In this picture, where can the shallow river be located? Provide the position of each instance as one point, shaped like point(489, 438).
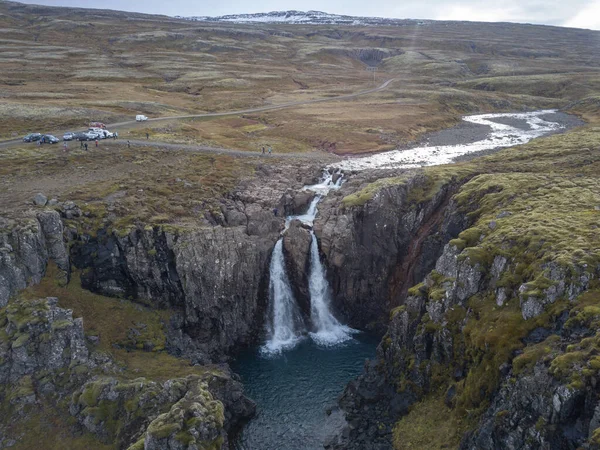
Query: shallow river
point(294, 390)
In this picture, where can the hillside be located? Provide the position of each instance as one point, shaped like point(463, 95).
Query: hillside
point(62, 68)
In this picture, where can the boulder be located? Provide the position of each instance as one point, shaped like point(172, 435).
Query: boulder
point(40, 199)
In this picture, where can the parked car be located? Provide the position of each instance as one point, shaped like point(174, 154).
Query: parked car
point(80, 136)
point(102, 134)
point(32, 137)
point(140, 118)
point(91, 136)
point(49, 139)
point(68, 136)
point(97, 125)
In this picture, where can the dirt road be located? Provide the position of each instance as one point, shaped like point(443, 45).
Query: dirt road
point(118, 125)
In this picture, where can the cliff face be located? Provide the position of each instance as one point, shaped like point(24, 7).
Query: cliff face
point(499, 340)
point(213, 276)
point(25, 250)
point(376, 245)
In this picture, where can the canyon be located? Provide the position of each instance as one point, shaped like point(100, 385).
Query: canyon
point(177, 288)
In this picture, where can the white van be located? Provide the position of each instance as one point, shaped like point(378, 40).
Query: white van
point(140, 118)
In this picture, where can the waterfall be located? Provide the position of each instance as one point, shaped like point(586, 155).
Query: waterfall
point(327, 329)
point(285, 326)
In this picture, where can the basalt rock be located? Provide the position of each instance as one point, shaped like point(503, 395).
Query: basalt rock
point(44, 358)
point(25, 250)
point(536, 411)
point(296, 247)
point(375, 250)
point(295, 203)
point(37, 335)
point(197, 411)
point(214, 277)
point(547, 399)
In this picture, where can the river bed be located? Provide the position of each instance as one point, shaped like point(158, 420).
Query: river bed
point(476, 135)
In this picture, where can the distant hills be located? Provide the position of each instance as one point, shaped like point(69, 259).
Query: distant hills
point(305, 17)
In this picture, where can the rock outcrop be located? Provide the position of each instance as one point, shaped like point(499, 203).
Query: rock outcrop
point(26, 248)
point(296, 248)
point(176, 414)
point(215, 277)
point(38, 336)
point(375, 248)
point(502, 333)
point(44, 359)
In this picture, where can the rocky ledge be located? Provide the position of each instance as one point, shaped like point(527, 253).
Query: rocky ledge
point(45, 364)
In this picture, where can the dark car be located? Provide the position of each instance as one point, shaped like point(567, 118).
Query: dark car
point(80, 136)
point(32, 137)
point(49, 139)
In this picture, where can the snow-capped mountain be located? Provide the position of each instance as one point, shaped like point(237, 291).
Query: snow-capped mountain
point(302, 17)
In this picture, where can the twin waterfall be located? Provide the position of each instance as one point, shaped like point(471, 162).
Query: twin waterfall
point(286, 326)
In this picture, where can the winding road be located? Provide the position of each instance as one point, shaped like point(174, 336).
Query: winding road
point(118, 125)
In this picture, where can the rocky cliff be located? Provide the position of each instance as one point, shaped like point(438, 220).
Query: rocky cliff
point(25, 249)
point(213, 276)
point(214, 273)
point(47, 368)
point(377, 243)
point(496, 346)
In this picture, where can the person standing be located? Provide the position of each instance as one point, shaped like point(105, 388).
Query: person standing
point(96, 142)
point(263, 150)
point(86, 146)
point(65, 146)
point(270, 150)
point(147, 136)
point(81, 144)
point(128, 144)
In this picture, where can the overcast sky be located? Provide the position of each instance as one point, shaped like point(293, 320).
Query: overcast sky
point(571, 13)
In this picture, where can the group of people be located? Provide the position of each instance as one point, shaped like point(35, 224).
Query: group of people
point(269, 150)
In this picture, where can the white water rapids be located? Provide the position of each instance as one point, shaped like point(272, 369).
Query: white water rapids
point(501, 136)
point(285, 326)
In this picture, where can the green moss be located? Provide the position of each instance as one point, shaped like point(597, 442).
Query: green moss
point(367, 193)
point(471, 236)
point(23, 388)
point(61, 325)
point(163, 430)
point(184, 437)
point(139, 445)
point(431, 425)
point(20, 340)
point(91, 393)
point(417, 290)
point(540, 424)
point(534, 354)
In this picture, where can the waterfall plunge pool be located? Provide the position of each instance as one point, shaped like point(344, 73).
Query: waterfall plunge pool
point(293, 391)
